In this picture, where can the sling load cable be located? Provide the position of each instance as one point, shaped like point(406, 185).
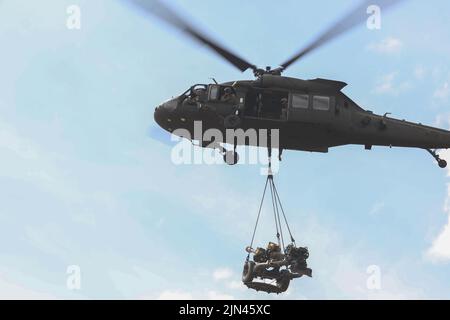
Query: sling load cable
point(278, 226)
point(275, 201)
point(278, 216)
point(257, 219)
point(284, 215)
point(278, 229)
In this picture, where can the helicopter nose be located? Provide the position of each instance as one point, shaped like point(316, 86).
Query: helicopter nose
point(160, 115)
point(169, 106)
point(164, 112)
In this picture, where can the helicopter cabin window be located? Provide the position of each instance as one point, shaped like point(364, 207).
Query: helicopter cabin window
point(321, 103)
point(214, 92)
point(300, 101)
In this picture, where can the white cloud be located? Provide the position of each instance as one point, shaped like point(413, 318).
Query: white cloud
point(213, 295)
point(178, 294)
point(350, 278)
point(388, 84)
point(389, 45)
point(222, 274)
point(443, 92)
point(420, 72)
point(9, 290)
point(440, 247)
point(347, 276)
point(392, 288)
point(12, 141)
point(236, 285)
point(175, 295)
point(376, 208)
point(442, 120)
point(45, 233)
point(209, 293)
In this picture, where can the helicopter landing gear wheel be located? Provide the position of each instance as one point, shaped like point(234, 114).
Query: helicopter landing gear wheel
point(441, 162)
point(232, 121)
point(231, 157)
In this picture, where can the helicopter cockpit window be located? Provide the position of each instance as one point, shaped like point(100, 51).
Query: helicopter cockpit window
point(199, 91)
point(300, 101)
point(321, 103)
point(214, 92)
point(196, 93)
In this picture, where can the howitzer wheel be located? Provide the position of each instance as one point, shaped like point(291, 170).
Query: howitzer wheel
point(248, 274)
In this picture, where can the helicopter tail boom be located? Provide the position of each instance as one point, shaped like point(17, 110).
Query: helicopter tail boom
point(384, 131)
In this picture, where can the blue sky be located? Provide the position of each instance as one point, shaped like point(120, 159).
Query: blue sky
point(82, 182)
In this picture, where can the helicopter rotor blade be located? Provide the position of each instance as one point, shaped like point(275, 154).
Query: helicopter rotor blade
point(346, 23)
point(163, 12)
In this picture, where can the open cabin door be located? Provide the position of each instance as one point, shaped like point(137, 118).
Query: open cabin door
point(267, 105)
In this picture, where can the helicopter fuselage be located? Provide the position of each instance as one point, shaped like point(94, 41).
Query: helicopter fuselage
point(311, 115)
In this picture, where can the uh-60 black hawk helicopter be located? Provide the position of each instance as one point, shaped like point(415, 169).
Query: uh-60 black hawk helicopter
point(311, 115)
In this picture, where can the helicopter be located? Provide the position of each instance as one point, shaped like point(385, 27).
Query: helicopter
point(311, 115)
